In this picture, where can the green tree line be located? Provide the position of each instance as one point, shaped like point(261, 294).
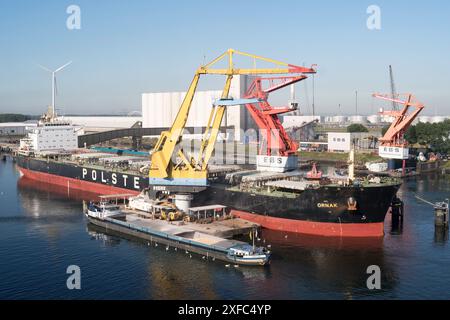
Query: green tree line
point(13, 117)
point(357, 128)
point(434, 135)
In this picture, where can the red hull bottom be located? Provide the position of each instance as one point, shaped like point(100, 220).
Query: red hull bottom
point(70, 183)
point(350, 230)
point(368, 230)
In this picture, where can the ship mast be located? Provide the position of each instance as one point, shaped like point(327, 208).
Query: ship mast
point(351, 164)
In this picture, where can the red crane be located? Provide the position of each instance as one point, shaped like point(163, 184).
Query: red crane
point(403, 118)
point(275, 140)
point(393, 144)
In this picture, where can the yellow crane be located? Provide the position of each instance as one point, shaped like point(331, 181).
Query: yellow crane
point(174, 171)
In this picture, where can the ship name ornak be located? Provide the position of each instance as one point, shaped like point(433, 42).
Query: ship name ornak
point(327, 205)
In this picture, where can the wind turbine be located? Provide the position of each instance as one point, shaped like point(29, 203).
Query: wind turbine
point(53, 73)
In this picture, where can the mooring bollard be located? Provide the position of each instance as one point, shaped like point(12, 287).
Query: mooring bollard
point(441, 213)
point(397, 210)
point(441, 217)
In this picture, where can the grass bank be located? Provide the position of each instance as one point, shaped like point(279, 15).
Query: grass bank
point(361, 158)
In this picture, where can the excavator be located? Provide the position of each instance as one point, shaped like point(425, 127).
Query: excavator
point(172, 170)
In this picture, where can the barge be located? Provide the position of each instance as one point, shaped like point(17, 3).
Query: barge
point(111, 217)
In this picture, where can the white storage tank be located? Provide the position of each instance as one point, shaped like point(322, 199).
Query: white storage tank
point(386, 119)
point(437, 119)
point(339, 119)
point(425, 119)
point(374, 119)
point(358, 119)
point(328, 119)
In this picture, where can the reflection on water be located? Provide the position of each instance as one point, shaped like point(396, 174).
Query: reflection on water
point(172, 271)
point(28, 187)
point(99, 234)
point(42, 228)
point(336, 262)
point(441, 235)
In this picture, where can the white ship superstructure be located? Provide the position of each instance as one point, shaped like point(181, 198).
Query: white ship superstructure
point(51, 134)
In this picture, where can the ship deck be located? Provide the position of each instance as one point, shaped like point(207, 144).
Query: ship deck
point(221, 228)
point(110, 165)
point(291, 189)
point(186, 231)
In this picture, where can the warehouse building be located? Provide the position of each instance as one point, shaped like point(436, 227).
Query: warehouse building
point(8, 129)
point(159, 109)
point(342, 141)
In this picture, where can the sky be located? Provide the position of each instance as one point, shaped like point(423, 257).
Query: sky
point(126, 48)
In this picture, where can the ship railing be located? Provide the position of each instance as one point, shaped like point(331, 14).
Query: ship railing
point(96, 166)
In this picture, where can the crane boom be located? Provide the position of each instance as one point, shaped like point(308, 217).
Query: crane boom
point(393, 91)
point(182, 172)
point(393, 139)
point(275, 138)
point(212, 129)
point(168, 139)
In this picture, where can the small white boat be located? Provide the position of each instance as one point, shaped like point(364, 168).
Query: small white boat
point(377, 166)
point(102, 210)
point(248, 255)
point(422, 157)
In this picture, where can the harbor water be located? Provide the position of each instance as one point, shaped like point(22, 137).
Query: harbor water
point(43, 231)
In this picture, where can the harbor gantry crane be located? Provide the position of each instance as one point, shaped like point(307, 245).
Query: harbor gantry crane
point(393, 144)
point(278, 152)
point(171, 169)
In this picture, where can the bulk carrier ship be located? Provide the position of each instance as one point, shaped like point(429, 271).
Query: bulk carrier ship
point(324, 207)
point(284, 200)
